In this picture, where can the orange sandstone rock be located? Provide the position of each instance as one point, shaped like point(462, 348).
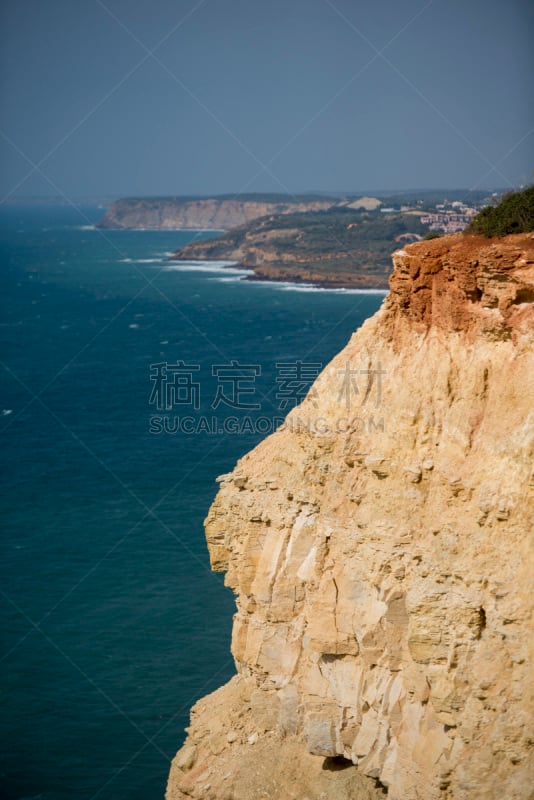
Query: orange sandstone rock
point(380, 549)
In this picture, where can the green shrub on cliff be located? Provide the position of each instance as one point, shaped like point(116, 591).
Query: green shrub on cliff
point(514, 214)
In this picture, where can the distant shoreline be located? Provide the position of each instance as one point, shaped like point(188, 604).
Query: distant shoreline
point(327, 242)
point(306, 278)
point(336, 282)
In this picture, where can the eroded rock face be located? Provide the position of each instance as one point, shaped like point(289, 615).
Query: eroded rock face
point(212, 212)
point(380, 548)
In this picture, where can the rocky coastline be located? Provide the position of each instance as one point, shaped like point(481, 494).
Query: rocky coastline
point(326, 241)
point(332, 250)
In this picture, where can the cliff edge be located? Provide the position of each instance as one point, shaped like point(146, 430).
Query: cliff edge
point(380, 549)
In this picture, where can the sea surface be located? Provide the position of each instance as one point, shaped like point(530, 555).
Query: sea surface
point(112, 623)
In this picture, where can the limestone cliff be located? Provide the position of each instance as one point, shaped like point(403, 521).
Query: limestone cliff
point(193, 213)
point(380, 548)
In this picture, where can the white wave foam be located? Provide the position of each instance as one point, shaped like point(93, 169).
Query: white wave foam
point(226, 267)
point(295, 287)
point(287, 286)
point(208, 263)
point(232, 279)
point(282, 285)
point(142, 260)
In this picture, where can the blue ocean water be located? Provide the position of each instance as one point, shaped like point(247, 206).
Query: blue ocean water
point(113, 624)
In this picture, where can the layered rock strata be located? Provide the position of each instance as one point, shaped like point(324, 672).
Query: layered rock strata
point(169, 213)
point(380, 550)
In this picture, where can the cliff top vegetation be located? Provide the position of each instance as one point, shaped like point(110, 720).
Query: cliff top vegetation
point(513, 214)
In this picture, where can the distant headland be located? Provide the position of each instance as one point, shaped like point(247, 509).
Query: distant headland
point(338, 241)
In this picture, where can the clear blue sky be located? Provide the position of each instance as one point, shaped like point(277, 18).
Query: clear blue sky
point(264, 95)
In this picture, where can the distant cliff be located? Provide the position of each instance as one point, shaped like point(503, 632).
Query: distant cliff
point(380, 549)
point(216, 213)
